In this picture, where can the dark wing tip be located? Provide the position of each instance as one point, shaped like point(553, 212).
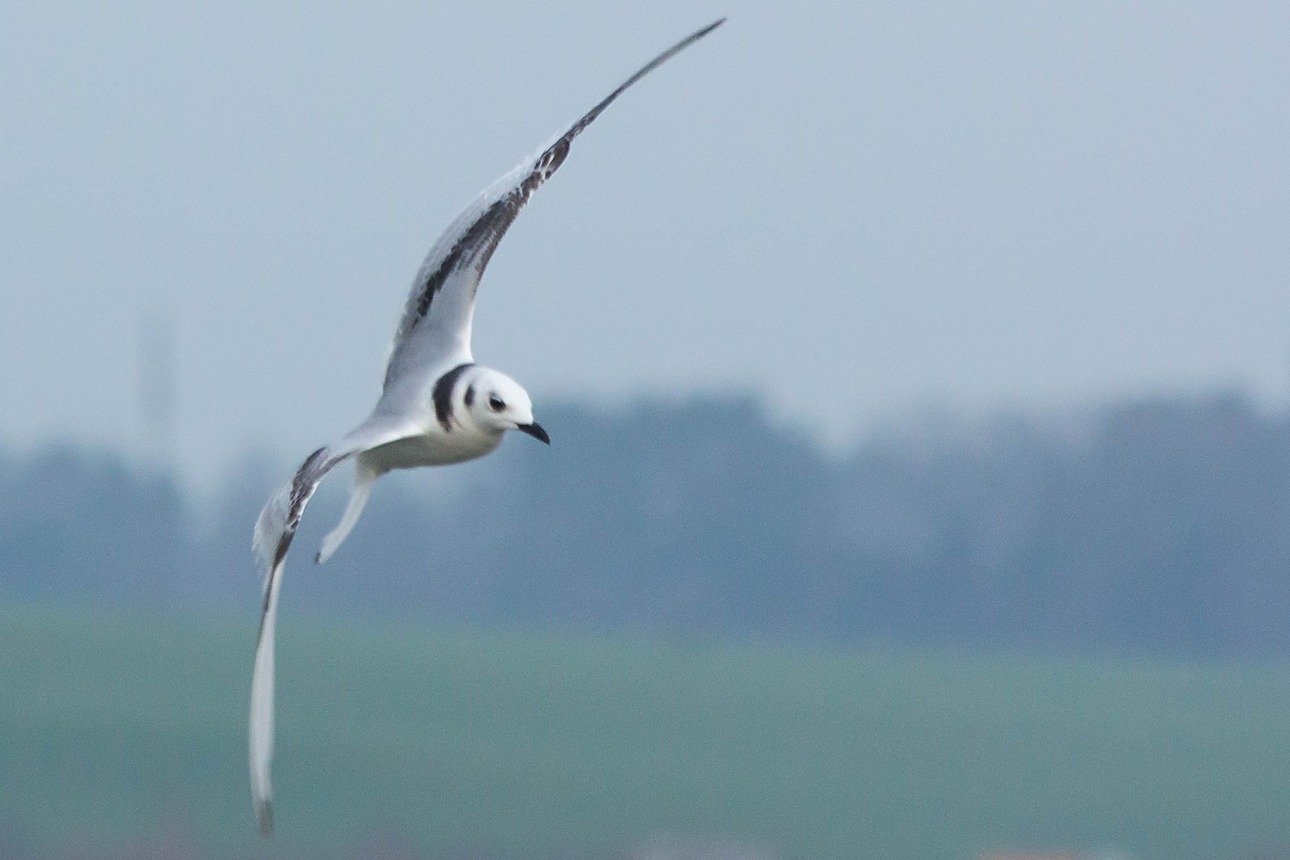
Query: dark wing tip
point(264, 816)
point(698, 34)
point(644, 70)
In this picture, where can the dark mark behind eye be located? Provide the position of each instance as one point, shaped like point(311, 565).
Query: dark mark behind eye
point(442, 394)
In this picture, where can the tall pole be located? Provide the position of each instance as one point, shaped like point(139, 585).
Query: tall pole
point(159, 392)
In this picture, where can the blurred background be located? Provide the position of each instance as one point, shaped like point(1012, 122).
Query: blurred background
point(919, 386)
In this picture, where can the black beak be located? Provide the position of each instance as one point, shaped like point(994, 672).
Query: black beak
point(535, 430)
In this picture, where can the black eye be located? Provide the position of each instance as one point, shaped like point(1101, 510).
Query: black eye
point(495, 403)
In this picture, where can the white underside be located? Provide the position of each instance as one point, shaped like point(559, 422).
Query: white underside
point(436, 448)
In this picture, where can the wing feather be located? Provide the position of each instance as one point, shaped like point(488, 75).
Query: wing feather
point(434, 331)
point(274, 531)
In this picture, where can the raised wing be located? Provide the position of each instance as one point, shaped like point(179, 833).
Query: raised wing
point(435, 329)
point(274, 531)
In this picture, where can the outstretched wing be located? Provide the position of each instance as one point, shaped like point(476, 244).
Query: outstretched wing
point(435, 329)
point(274, 531)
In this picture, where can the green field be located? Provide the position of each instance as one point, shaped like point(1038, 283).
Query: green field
point(121, 732)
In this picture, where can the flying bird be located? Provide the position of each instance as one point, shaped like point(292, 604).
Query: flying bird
point(436, 405)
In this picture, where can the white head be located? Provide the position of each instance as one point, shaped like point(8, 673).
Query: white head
point(497, 402)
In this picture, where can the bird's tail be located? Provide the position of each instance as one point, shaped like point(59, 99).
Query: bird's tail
point(364, 477)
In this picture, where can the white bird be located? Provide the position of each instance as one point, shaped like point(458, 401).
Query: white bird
point(436, 407)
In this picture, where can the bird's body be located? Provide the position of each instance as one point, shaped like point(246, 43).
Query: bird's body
point(449, 435)
point(434, 447)
point(436, 407)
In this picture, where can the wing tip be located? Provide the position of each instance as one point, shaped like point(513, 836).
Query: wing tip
point(691, 39)
point(703, 31)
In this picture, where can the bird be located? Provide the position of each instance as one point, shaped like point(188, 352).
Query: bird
point(436, 407)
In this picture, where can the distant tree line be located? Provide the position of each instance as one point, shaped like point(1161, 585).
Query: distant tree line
point(1157, 526)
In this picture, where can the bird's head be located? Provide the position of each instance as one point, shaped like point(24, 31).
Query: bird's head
point(498, 402)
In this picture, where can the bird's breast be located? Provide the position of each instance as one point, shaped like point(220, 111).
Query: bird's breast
point(435, 448)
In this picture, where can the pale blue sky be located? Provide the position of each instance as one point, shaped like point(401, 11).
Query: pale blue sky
point(855, 208)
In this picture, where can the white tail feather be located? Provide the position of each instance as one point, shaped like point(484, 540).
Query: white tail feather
point(364, 478)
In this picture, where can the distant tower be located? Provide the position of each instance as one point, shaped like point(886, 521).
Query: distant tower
point(159, 392)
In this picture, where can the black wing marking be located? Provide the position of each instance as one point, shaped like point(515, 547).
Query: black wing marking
point(480, 239)
point(306, 480)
